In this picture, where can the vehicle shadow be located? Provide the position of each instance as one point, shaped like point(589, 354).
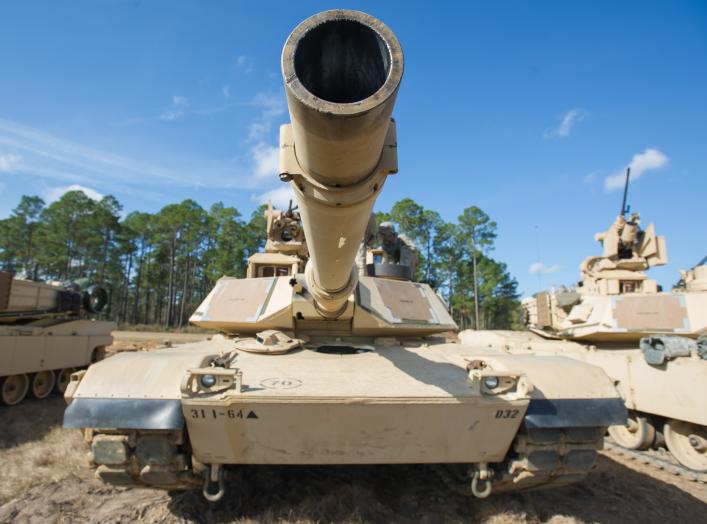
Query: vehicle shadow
point(30, 420)
point(413, 493)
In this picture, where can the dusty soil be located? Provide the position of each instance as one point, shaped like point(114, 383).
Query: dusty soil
point(44, 478)
point(141, 340)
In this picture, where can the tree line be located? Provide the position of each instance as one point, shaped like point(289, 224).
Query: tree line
point(157, 267)
point(455, 260)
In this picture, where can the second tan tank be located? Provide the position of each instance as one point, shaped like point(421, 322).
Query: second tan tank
point(45, 335)
point(647, 340)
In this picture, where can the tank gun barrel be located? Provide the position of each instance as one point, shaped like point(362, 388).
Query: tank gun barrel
point(25, 300)
point(341, 70)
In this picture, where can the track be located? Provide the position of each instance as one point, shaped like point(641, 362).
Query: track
point(652, 458)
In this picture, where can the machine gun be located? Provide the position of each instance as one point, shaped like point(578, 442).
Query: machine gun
point(285, 248)
point(624, 208)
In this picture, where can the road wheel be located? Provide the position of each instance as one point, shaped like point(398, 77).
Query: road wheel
point(42, 384)
point(688, 443)
point(63, 377)
point(638, 433)
point(13, 389)
point(98, 354)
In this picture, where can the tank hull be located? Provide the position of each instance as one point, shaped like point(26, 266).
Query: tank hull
point(416, 402)
point(677, 389)
point(39, 357)
point(657, 396)
point(71, 344)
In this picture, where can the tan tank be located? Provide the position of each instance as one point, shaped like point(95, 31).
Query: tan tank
point(327, 366)
point(45, 336)
point(645, 339)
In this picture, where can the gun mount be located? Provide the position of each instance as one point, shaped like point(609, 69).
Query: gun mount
point(285, 248)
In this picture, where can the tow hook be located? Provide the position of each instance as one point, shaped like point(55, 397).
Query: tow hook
point(213, 475)
point(481, 481)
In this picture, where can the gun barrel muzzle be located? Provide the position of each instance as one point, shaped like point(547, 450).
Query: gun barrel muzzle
point(342, 70)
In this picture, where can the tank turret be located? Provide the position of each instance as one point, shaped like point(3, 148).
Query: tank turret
point(694, 279)
point(341, 70)
point(23, 301)
point(615, 300)
point(642, 337)
point(46, 335)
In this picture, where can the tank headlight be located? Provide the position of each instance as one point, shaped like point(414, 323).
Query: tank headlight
point(208, 381)
point(491, 382)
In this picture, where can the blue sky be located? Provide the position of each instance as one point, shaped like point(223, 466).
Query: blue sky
point(526, 109)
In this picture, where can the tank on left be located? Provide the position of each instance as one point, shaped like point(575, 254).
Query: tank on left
point(46, 334)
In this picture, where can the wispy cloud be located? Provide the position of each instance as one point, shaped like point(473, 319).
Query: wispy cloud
point(591, 177)
point(566, 123)
point(64, 163)
point(34, 152)
point(271, 107)
point(266, 161)
point(180, 104)
point(245, 63)
point(53, 194)
point(539, 268)
point(280, 196)
point(9, 162)
point(52, 157)
point(264, 156)
point(641, 163)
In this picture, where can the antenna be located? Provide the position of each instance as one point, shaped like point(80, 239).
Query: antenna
point(624, 209)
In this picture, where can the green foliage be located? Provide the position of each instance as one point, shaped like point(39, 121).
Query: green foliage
point(159, 267)
point(19, 234)
point(454, 260)
point(419, 225)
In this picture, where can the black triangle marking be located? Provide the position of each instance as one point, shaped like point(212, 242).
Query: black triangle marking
point(252, 415)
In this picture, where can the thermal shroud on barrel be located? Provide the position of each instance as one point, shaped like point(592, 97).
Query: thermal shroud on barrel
point(342, 70)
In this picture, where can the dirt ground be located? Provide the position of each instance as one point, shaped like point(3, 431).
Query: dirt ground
point(44, 478)
point(139, 340)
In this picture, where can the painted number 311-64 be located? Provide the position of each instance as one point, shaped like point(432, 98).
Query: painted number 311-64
point(222, 413)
